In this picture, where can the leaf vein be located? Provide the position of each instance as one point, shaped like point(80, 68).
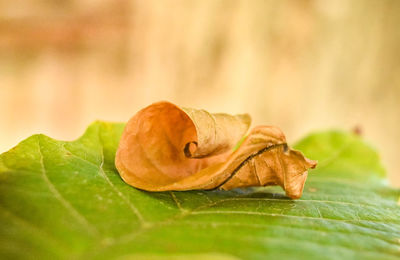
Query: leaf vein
point(119, 193)
point(81, 219)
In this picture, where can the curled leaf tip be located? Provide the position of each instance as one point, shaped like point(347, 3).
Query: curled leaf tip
point(165, 147)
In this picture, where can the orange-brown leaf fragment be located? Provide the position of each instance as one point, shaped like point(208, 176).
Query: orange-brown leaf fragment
point(165, 147)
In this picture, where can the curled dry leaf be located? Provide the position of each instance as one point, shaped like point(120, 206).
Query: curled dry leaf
point(165, 147)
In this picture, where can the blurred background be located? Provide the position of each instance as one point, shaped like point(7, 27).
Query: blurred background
point(301, 65)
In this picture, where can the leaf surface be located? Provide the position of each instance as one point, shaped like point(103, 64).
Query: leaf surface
point(66, 200)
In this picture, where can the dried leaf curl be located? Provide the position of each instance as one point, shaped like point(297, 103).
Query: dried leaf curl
point(165, 147)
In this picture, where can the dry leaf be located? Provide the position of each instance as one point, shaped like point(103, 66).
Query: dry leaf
point(164, 147)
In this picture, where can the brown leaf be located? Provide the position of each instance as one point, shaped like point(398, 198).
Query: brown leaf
point(164, 147)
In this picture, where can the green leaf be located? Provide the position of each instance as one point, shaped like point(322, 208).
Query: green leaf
point(66, 200)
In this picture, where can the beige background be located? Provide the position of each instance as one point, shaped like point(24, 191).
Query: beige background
point(301, 65)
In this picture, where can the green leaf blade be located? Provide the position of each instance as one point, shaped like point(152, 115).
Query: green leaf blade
point(66, 200)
